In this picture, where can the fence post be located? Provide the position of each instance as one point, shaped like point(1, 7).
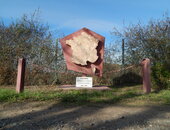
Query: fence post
point(20, 75)
point(146, 75)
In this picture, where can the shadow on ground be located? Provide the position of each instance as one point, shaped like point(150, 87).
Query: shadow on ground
point(140, 120)
point(94, 116)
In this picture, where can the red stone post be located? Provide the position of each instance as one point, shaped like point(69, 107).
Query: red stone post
point(20, 75)
point(146, 75)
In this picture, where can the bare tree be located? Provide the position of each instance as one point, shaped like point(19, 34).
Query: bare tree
point(151, 40)
point(27, 37)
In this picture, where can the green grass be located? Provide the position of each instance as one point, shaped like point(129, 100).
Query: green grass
point(161, 97)
point(126, 95)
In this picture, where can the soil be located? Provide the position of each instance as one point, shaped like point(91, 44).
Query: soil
point(56, 116)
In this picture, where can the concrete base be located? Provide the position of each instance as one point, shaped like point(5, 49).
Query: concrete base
point(73, 87)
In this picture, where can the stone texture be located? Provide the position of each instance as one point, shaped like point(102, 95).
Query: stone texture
point(81, 53)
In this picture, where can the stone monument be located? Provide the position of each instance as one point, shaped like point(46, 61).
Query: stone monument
point(84, 52)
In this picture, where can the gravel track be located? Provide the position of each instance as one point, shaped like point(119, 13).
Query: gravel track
point(56, 116)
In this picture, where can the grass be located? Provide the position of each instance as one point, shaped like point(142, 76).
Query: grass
point(125, 95)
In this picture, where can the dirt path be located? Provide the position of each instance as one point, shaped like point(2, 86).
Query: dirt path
point(55, 116)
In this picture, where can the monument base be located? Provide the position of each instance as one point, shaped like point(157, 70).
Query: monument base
point(73, 87)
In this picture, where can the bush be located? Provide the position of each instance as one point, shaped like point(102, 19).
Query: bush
point(7, 75)
point(160, 76)
point(127, 78)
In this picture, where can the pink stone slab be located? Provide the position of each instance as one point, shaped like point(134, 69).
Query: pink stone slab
point(146, 75)
point(87, 69)
point(20, 75)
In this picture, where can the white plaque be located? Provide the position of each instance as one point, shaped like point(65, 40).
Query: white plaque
point(85, 82)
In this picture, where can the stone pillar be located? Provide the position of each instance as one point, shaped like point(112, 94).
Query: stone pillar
point(146, 75)
point(20, 75)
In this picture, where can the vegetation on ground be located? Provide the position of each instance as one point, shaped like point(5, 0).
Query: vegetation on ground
point(160, 76)
point(126, 95)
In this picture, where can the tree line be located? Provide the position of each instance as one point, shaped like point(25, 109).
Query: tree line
point(152, 41)
point(28, 37)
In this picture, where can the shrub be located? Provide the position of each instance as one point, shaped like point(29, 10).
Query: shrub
point(160, 76)
point(7, 75)
point(127, 78)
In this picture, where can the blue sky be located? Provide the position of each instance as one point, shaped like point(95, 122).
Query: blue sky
point(101, 16)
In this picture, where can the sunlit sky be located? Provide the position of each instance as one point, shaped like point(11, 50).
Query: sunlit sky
point(101, 16)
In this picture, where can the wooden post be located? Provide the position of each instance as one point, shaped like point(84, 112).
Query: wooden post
point(123, 56)
point(20, 75)
point(123, 52)
point(146, 75)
